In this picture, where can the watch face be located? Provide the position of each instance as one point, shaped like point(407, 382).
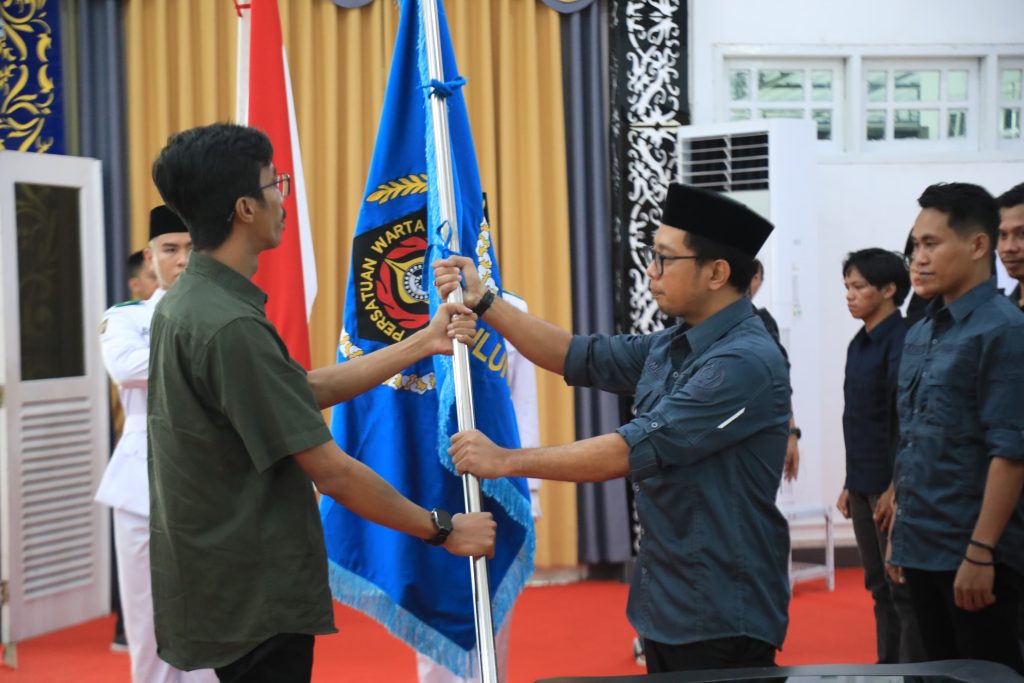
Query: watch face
point(442, 521)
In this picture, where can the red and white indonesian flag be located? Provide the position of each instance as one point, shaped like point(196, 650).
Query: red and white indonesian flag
point(288, 273)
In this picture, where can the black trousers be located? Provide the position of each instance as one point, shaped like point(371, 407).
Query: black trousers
point(722, 653)
point(896, 632)
point(285, 658)
point(949, 632)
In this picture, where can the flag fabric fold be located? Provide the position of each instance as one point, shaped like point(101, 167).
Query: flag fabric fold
point(401, 429)
point(288, 273)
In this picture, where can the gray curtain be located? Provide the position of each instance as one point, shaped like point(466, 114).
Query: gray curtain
point(603, 514)
point(101, 115)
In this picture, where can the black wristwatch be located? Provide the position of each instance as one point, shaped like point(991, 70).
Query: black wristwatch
point(443, 523)
point(795, 431)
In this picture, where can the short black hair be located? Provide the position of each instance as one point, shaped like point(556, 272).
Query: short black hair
point(969, 209)
point(758, 268)
point(1012, 197)
point(880, 267)
point(202, 171)
point(742, 266)
point(135, 262)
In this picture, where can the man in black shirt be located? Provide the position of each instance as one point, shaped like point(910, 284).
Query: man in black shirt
point(876, 284)
point(1011, 238)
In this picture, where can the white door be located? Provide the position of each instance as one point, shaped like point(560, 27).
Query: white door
point(54, 434)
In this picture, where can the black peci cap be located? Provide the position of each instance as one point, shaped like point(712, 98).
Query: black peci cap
point(712, 215)
point(162, 221)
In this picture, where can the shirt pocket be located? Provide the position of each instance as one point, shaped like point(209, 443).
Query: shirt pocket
point(951, 390)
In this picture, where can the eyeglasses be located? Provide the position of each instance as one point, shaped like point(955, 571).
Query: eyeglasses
point(651, 256)
point(283, 181)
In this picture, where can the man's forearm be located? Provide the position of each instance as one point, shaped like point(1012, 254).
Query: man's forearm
point(597, 459)
point(543, 343)
point(335, 384)
point(367, 494)
point(1002, 491)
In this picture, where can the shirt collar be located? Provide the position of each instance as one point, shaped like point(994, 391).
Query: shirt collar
point(962, 307)
point(228, 278)
point(157, 294)
point(884, 328)
point(700, 337)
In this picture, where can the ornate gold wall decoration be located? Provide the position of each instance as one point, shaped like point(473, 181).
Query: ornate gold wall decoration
point(29, 119)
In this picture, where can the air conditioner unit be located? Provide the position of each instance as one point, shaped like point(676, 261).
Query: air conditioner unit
point(769, 165)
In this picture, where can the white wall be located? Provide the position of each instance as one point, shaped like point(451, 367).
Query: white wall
point(865, 199)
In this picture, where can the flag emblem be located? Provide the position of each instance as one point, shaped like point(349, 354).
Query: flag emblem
point(392, 299)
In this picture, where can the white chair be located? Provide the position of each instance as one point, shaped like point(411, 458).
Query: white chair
point(806, 571)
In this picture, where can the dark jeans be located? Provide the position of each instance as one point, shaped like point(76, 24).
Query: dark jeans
point(723, 653)
point(949, 632)
point(896, 631)
point(285, 658)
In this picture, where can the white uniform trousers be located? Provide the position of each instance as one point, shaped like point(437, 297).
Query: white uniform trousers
point(131, 541)
point(430, 671)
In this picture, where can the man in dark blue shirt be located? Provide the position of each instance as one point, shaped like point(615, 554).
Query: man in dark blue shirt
point(1011, 238)
point(876, 283)
point(705, 451)
point(958, 538)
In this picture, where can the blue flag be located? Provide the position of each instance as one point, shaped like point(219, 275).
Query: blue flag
point(401, 429)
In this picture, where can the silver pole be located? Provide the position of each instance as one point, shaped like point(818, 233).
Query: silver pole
point(460, 360)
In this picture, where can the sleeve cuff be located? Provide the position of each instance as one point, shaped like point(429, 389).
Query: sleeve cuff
point(295, 443)
point(575, 365)
point(1005, 443)
point(643, 458)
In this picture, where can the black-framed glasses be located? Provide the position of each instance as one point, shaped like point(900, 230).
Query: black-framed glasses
point(283, 182)
point(651, 256)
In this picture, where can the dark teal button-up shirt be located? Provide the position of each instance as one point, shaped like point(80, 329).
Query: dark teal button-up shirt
point(707, 449)
point(960, 402)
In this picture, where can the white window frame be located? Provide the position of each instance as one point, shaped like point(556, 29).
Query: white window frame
point(1001, 142)
point(943, 65)
point(811, 63)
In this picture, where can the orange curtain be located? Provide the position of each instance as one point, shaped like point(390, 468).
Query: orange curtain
point(181, 73)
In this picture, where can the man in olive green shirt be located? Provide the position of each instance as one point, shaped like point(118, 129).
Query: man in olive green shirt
point(236, 434)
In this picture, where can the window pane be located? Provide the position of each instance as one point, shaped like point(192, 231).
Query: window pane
point(876, 124)
point(916, 124)
point(821, 86)
point(739, 114)
point(1009, 124)
point(49, 281)
point(781, 113)
point(739, 84)
point(957, 123)
point(780, 86)
point(957, 86)
point(916, 86)
point(823, 117)
point(1010, 84)
point(876, 86)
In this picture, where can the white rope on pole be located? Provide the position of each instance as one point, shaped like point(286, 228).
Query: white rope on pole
point(460, 360)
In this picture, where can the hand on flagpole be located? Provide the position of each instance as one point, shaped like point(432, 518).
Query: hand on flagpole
point(473, 453)
point(449, 274)
point(473, 534)
point(452, 321)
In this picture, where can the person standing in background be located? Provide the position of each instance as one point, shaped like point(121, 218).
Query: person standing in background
point(876, 283)
point(124, 341)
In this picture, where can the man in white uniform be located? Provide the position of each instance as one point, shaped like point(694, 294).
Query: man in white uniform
point(124, 339)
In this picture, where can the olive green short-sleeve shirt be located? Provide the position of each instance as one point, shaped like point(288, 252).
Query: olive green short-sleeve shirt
point(236, 547)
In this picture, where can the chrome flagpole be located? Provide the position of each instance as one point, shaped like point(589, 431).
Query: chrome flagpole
point(460, 359)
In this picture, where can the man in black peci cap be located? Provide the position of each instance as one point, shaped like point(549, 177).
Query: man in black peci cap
point(705, 451)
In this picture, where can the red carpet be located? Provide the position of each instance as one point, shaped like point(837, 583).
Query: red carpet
point(579, 629)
